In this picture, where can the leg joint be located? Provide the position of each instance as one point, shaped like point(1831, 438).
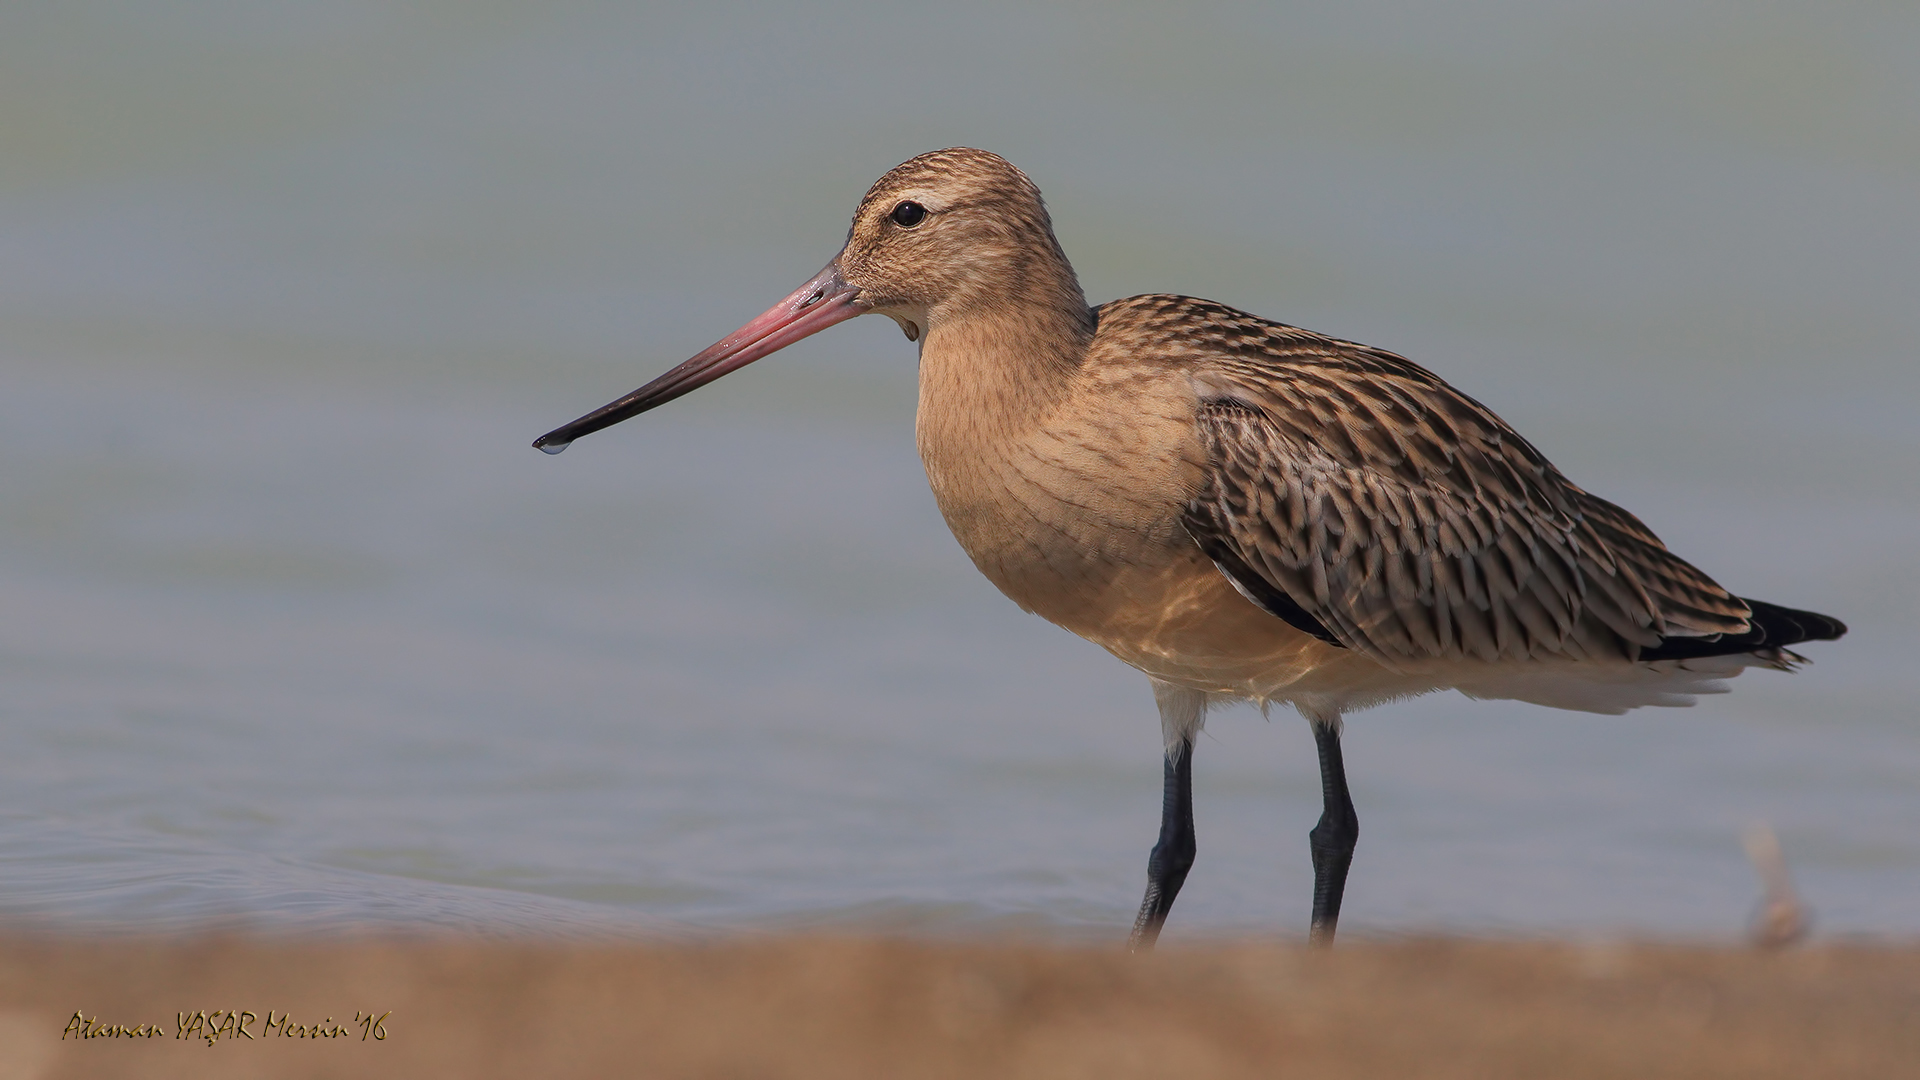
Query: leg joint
point(1336, 832)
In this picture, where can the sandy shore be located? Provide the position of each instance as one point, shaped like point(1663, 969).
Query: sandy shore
point(849, 1008)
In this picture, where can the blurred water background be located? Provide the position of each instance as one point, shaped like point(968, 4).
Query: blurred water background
point(296, 631)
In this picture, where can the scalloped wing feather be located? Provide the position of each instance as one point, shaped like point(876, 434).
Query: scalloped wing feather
point(1402, 516)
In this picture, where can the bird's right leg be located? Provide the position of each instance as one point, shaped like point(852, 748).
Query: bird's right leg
point(1182, 711)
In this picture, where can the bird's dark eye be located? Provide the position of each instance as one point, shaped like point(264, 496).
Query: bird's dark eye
point(909, 214)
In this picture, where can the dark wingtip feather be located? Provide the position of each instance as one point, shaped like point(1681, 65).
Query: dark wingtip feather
point(1770, 627)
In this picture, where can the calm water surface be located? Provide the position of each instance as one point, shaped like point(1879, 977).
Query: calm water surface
point(300, 633)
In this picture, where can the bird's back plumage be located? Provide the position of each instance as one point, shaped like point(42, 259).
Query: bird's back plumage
point(1357, 496)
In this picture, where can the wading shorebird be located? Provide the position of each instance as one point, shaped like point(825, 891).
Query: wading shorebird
point(1242, 509)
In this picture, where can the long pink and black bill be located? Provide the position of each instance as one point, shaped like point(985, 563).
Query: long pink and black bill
point(821, 302)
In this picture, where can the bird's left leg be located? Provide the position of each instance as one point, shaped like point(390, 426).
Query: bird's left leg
point(1182, 711)
point(1333, 839)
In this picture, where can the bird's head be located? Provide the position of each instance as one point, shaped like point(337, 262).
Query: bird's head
point(945, 235)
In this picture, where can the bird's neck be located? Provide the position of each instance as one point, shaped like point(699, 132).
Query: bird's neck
point(1008, 362)
point(992, 381)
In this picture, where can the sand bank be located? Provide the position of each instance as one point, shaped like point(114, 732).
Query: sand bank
point(851, 1008)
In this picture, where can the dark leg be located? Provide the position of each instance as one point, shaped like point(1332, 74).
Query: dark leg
point(1173, 856)
point(1332, 840)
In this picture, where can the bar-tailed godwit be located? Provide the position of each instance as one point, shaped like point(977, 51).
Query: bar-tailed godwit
point(1242, 509)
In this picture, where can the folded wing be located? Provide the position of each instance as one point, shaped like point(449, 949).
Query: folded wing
point(1362, 499)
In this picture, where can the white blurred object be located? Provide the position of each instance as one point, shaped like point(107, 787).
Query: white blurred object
point(1781, 919)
